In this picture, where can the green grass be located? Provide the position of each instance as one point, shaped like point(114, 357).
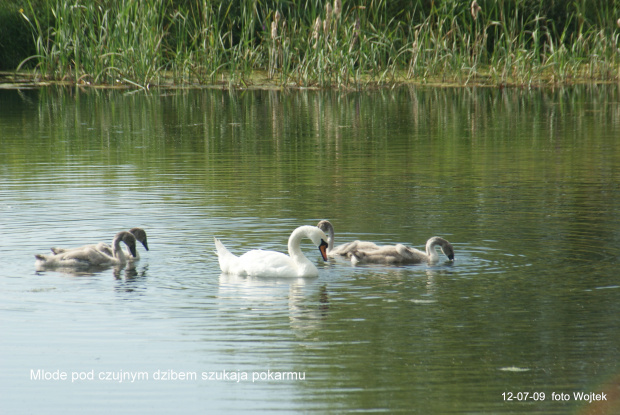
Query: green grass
point(323, 44)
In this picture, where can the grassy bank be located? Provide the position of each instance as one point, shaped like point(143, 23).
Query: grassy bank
point(322, 44)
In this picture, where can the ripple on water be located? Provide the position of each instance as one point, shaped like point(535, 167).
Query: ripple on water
point(533, 289)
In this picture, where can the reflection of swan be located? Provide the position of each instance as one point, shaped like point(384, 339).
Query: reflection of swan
point(344, 249)
point(304, 300)
point(88, 256)
point(401, 254)
point(106, 249)
point(261, 263)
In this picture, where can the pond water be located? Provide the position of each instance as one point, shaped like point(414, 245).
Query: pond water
point(524, 183)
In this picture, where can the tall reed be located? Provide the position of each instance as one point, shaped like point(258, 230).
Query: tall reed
point(326, 43)
point(90, 43)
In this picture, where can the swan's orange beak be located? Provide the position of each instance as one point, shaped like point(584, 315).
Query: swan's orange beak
point(323, 249)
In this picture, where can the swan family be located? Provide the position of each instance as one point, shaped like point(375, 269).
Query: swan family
point(257, 262)
point(277, 264)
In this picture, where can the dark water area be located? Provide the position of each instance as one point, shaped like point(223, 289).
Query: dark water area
point(523, 183)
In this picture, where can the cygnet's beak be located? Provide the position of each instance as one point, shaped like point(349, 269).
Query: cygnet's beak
point(323, 249)
point(132, 250)
point(449, 254)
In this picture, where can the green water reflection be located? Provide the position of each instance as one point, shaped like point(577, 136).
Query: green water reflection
point(525, 183)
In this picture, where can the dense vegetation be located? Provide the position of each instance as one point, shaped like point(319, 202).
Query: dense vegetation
point(313, 42)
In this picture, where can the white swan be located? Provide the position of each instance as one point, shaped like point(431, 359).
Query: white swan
point(88, 256)
point(401, 254)
point(344, 249)
point(106, 249)
point(259, 263)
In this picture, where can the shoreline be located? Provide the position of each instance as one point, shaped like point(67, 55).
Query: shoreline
point(258, 80)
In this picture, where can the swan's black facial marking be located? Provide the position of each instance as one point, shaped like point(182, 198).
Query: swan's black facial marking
point(449, 252)
point(323, 249)
point(129, 240)
point(140, 235)
point(132, 249)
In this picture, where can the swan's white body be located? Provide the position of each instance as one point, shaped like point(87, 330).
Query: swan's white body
point(87, 256)
point(369, 252)
point(106, 249)
point(259, 263)
point(400, 254)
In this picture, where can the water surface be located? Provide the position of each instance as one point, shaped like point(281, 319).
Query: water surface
point(523, 183)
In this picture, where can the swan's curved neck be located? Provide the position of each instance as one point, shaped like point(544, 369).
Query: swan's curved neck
point(330, 238)
point(431, 250)
point(117, 251)
point(294, 248)
point(294, 243)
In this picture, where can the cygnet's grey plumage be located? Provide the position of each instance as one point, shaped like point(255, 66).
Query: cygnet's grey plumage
point(87, 256)
point(369, 252)
point(400, 254)
point(106, 249)
point(344, 249)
